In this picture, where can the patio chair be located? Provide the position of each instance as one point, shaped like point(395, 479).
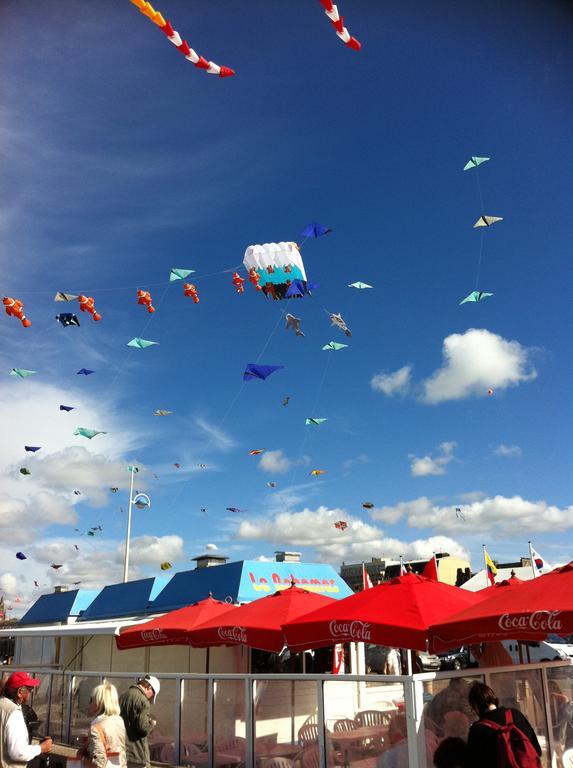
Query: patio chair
point(310, 758)
point(345, 724)
point(279, 762)
point(370, 717)
point(232, 745)
point(308, 734)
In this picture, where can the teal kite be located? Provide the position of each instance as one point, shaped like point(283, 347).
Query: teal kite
point(334, 345)
point(179, 274)
point(473, 162)
point(475, 296)
point(315, 422)
point(21, 372)
point(359, 285)
point(89, 433)
point(141, 343)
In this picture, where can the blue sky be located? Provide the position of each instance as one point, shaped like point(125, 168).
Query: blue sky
point(121, 160)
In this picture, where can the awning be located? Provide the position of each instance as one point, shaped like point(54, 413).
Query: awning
point(77, 629)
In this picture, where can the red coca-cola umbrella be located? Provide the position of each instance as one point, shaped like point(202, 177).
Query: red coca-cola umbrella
point(528, 611)
point(259, 624)
point(396, 613)
point(172, 628)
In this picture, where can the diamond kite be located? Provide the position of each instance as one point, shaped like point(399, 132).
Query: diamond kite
point(21, 556)
point(209, 66)
point(316, 422)
point(342, 525)
point(87, 305)
point(487, 221)
point(359, 285)
point(314, 229)
point(276, 265)
point(15, 308)
point(84, 372)
point(179, 274)
point(61, 296)
point(141, 343)
point(317, 472)
point(67, 408)
point(475, 296)
point(257, 451)
point(473, 162)
point(254, 371)
point(339, 323)
point(293, 323)
point(334, 345)
point(89, 433)
point(68, 318)
point(32, 448)
point(337, 22)
point(21, 372)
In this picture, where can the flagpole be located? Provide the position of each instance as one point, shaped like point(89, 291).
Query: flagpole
point(485, 567)
point(531, 558)
point(401, 564)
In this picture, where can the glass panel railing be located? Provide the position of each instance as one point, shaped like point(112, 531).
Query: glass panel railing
point(229, 727)
point(163, 737)
point(446, 713)
point(194, 738)
point(364, 722)
point(285, 720)
point(41, 706)
point(560, 686)
point(522, 689)
point(82, 688)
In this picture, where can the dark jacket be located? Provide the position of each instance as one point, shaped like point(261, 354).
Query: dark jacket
point(136, 714)
point(482, 741)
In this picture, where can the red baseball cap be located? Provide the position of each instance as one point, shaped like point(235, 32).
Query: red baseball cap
point(19, 679)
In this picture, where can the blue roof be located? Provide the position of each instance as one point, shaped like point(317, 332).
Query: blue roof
point(247, 580)
point(59, 606)
point(125, 599)
point(242, 582)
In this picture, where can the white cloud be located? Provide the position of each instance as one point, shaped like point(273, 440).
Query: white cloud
point(396, 383)
point(362, 459)
point(274, 462)
point(391, 514)
point(498, 515)
point(217, 439)
point(153, 550)
point(508, 451)
point(315, 529)
point(474, 361)
point(426, 465)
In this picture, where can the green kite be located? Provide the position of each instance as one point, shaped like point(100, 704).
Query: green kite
point(359, 285)
point(314, 421)
point(334, 345)
point(89, 433)
point(141, 343)
point(476, 296)
point(21, 372)
point(179, 274)
point(473, 162)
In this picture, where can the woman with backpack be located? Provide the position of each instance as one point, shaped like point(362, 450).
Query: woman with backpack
point(502, 737)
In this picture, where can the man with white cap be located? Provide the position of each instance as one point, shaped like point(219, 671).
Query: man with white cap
point(15, 749)
point(136, 713)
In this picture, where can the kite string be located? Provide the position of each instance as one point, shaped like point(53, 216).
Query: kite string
point(231, 405)
point(482, 212)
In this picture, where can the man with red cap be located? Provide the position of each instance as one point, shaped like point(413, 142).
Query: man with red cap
point(15, 751)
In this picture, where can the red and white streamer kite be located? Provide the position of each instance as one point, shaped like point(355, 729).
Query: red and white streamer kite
point(337, 22)
point(209, 66)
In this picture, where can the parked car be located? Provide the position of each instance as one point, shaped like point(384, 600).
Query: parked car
point(430, 662)
point(457, 658)
point(533, 651)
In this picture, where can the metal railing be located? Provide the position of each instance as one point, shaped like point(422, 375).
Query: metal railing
point(204, 719)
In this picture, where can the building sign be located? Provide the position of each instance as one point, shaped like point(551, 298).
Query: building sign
point(261, 579)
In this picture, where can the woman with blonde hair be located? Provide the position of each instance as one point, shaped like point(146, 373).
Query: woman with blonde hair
point(105, 745)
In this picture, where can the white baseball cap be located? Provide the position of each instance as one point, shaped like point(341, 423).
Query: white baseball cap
point(154, 683)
